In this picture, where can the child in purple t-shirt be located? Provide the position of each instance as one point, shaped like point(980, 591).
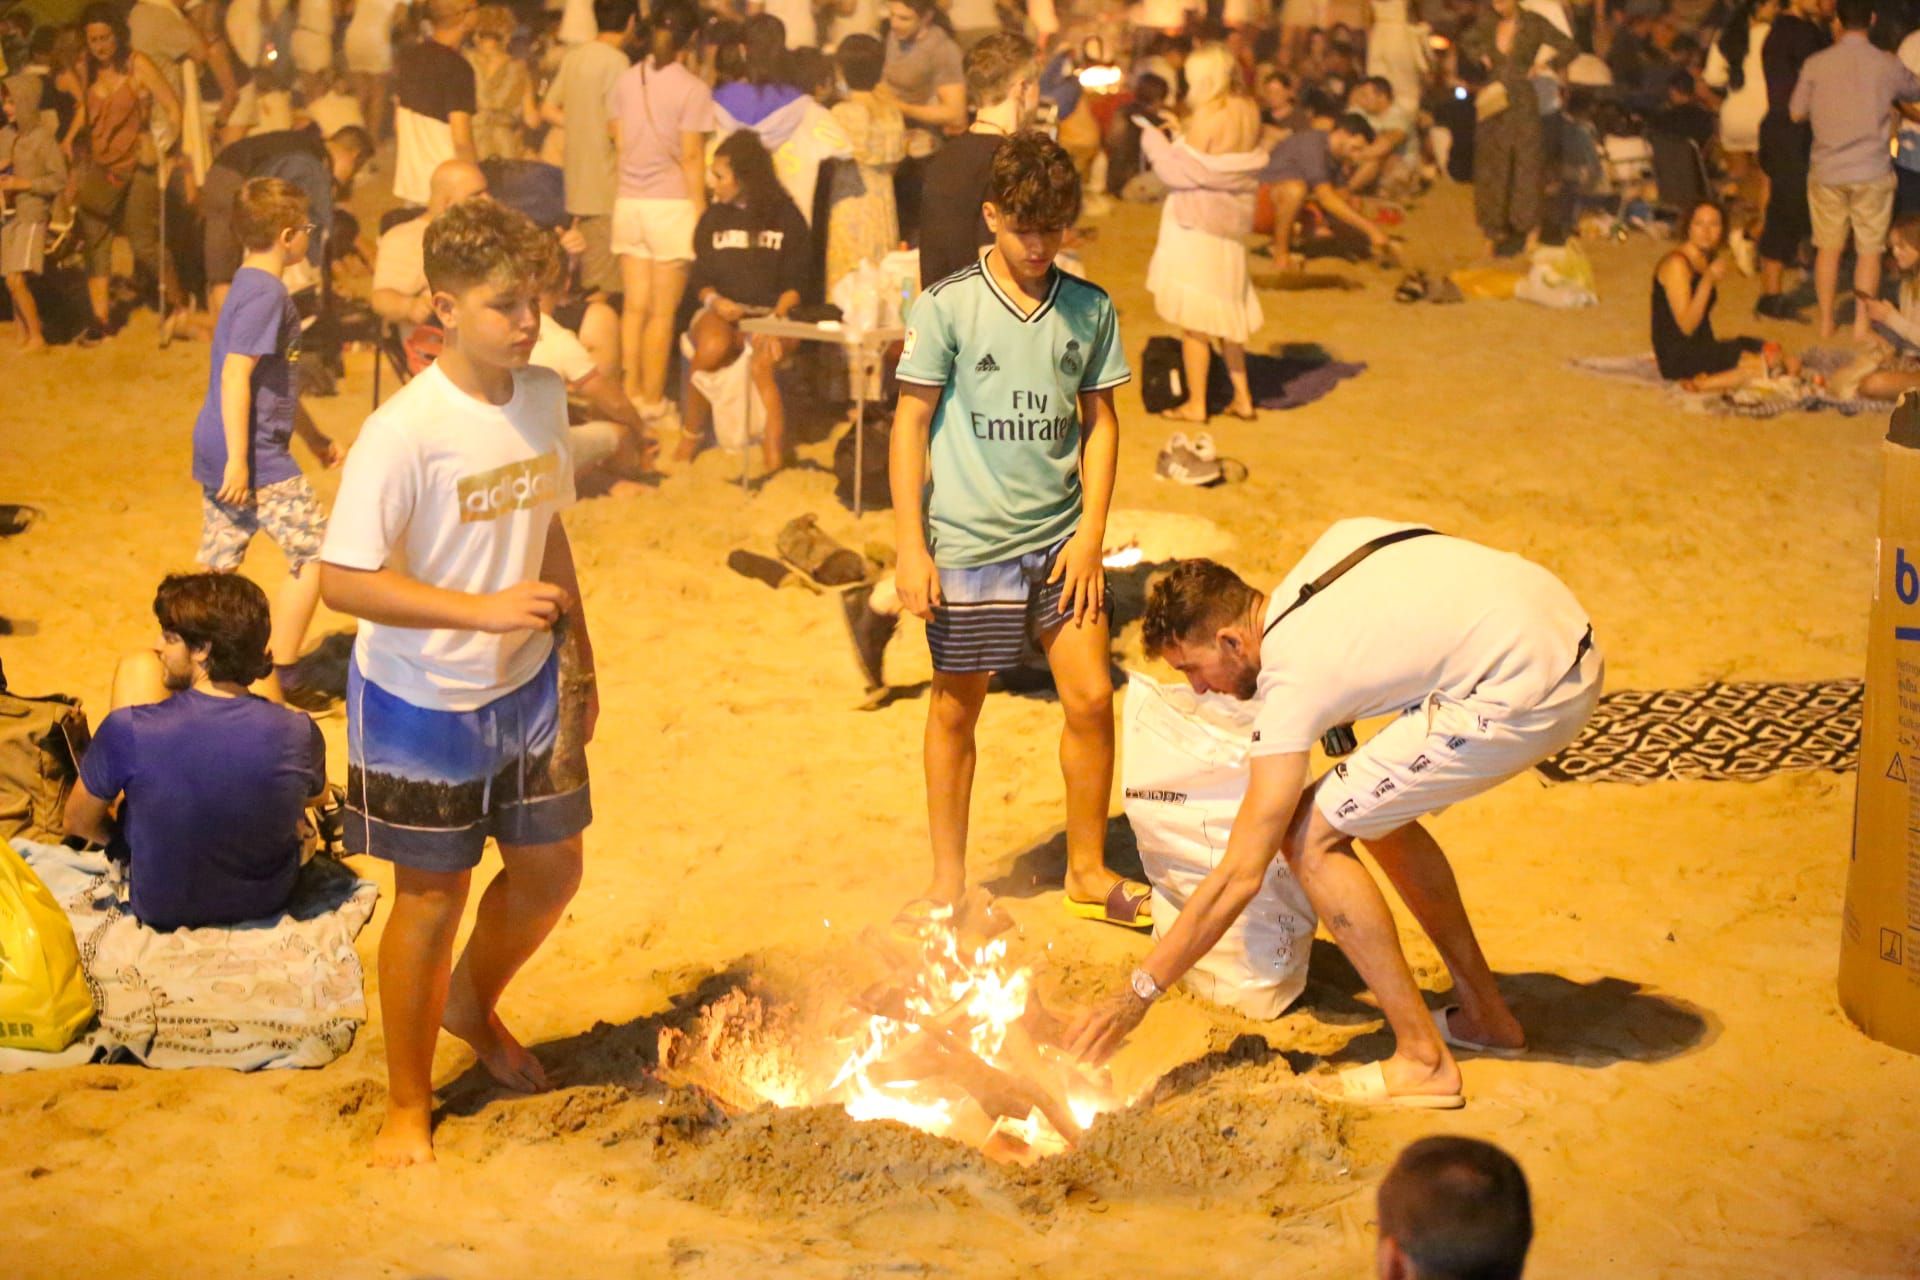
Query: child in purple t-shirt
point(247, 476)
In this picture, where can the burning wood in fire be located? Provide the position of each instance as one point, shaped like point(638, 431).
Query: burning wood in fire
point(950, 1039)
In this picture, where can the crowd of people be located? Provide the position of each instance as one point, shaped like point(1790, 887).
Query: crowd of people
point(589, 198)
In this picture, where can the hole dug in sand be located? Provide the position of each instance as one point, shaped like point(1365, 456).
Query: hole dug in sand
point(941, 1077)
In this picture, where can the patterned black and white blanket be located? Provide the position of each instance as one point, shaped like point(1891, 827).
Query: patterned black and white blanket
point(1714, 732)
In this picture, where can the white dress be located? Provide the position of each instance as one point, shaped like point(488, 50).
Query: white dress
point(1397, 51)
point(1742, 111)
point(369, 40)
point(313, 36)
point(1200, 281)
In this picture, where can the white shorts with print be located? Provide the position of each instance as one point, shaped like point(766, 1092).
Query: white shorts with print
point(661, 230)
point(1444, 751)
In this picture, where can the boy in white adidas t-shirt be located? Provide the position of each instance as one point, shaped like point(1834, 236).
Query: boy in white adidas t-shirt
point(471, 698)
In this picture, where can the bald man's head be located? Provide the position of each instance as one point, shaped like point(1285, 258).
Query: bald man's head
point(452, 182)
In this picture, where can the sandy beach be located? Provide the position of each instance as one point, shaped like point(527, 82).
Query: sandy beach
point(1697, 1104)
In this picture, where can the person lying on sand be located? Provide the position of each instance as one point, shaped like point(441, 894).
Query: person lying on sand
point(1490, 661)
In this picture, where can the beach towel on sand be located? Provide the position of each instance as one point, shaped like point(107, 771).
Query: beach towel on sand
point(279, 992)
point(1766, 399)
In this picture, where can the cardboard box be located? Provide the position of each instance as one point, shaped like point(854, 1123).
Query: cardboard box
point(1880, 925)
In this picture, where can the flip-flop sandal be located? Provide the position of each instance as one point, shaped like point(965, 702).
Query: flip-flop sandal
point(1444, 1027)
point(1366, 1086)
point(1122, 906)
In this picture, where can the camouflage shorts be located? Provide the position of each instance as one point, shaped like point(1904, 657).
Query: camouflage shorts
point(285, 511)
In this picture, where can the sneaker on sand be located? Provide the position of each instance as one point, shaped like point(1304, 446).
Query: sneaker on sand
point(1179, 463)
point(869, 632)
point(1203, 449)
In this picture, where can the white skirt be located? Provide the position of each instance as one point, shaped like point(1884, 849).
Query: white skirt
point(1200, 282)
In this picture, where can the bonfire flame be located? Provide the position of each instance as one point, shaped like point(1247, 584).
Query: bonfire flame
point(953, 1041)
point(957, 1014)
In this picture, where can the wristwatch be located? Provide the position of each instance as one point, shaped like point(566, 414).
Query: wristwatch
point(1144, 986)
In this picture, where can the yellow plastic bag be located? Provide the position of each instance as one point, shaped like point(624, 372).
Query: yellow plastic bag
point(1487, 282)
point(44, 1001)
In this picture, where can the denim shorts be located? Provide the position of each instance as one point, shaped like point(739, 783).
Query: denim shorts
point(425, 788)
point(989, 612)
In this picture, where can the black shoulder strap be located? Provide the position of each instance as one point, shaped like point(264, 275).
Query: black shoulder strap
point(1353, 558)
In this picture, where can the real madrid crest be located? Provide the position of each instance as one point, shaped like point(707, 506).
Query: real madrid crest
point(1072, 361)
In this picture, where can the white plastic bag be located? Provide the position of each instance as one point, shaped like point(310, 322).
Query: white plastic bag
point(1185, 773)
point(727, 389)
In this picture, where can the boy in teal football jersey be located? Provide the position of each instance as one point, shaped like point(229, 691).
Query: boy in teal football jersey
point(1006, 427)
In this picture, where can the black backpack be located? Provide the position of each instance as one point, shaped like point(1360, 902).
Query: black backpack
point(1163, 375)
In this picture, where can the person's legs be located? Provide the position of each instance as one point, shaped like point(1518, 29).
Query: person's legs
point(1288, 198)
point(96, 233)
point(1888, 384)
point(293, 609)
point(600, 335)
point(140, 224)
point(1235, 356)
point(1826, 283)
point(1870, 208)
point(1083, 677)
point(948, 755)
point(1492, 179)
point(1529, 176)
point(138, 681)
point(1419, 871)
point(1752, 365)
point(416, 962)
point(1196, 354)
point(290, 514)
point(517, 911)
point(767, 355)
point(25, 311)
point(716, 344)
point(636, 277)
point(1355, 912)
point(667, 281)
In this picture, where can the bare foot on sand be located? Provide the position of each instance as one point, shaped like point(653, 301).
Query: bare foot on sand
point(505, 1058)
point(406, 1138)
point(1185, 414)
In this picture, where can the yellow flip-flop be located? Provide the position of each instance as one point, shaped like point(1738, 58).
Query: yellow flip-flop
point(1128, 904)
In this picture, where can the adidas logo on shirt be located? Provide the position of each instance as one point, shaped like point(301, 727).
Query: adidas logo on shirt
point(986, 364)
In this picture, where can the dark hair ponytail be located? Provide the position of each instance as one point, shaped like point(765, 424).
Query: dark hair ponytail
point(1733, 42)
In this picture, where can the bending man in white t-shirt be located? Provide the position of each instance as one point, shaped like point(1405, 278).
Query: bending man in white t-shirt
point(1490, 662)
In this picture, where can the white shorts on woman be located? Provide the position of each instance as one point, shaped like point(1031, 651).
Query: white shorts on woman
point(656, 229)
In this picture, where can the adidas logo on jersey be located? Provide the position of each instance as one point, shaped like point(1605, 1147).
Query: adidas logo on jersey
point(986, 365)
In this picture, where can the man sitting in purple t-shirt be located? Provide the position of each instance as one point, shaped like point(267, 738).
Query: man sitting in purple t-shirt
point(211, 779)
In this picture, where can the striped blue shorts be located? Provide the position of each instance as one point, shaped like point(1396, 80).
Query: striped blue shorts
point(989, 612)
